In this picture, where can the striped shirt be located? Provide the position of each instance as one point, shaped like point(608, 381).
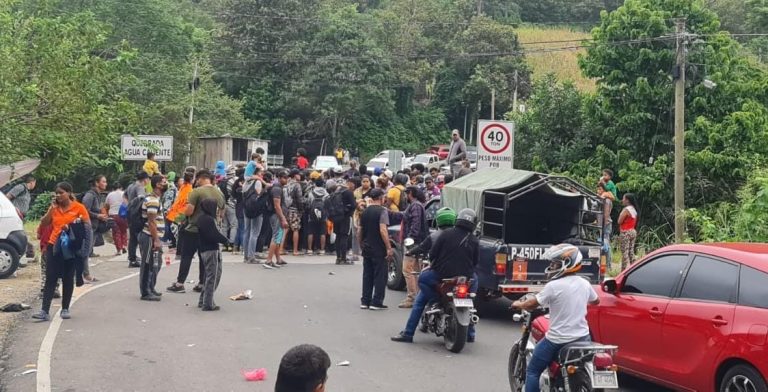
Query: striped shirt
point(152, 205)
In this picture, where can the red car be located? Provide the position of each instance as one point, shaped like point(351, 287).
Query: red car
point(690, 317)
point(440, 150)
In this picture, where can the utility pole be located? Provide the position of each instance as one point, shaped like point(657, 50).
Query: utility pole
point(493, 103)
point(514, 97)
point(479, 7)
point(680, 132)
point(193, 88)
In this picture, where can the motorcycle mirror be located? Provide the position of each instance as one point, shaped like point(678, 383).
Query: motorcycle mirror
point(609, 286)
point(409, 242)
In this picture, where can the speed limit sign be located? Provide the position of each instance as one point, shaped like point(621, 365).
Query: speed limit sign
point(495, 144)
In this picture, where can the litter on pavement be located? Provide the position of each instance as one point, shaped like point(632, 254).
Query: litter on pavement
point(343, 363)
point(30, 371)
point(331, 273)
point(255, 374)
point(14, 307)
point(247, 294)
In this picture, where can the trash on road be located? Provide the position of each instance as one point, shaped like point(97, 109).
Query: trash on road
point(247, 294)
point(15, 307)
point(30, 366)
point(331, 273)
point(343, 363)
point(306, 306)
point(30, 371)
point(191, 345)
point(255, 374)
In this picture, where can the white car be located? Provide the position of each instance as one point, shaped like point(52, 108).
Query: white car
point(428, 160)
point(324, 162)
point(13, 239)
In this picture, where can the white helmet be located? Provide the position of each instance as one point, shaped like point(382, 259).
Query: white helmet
point(563, 259)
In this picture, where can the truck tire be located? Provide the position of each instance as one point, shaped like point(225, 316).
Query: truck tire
point(395, 278)
point(9, 260)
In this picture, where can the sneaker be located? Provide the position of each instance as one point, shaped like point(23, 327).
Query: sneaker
point(282, 263)
point(347, 262)
point(402, 338)
point(405, 305)
point(378, 307)
point(262, 256)
point(134, 264)
point(155, 293)
point(310, 253)
point(176, 288)
point(364, 306)
point(65, 314)
point(211, 309)
point(198, 288)
point(41, 315)
point(269, 266)
point(338, 261)
point(150, 297)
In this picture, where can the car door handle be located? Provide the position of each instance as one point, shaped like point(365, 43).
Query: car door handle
point(655, 312)
point(719, 321)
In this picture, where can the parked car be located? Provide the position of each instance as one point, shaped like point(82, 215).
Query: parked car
point(428, 160)
point(13, 239)
point(381, 160)
point(440, 150)
point(690, 317)
point(324, 162)
point(472, 154)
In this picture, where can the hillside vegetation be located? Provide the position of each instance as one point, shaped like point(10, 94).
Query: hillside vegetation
point(563, 64)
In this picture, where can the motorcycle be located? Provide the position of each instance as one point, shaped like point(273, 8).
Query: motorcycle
point(579, 367)
point(454, 311)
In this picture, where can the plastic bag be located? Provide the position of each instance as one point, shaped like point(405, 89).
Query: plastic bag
point(255, 374)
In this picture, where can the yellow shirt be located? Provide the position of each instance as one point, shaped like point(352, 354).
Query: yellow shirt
point(151, 167)
point(394, 197)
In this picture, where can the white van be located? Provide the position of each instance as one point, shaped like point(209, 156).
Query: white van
point(13, 239)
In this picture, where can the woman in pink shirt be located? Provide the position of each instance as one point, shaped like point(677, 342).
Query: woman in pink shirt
point(628, 232)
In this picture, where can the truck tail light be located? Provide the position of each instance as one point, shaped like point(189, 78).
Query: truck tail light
point(501, 264)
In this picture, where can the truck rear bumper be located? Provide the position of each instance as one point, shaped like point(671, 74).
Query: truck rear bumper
point(519, 288)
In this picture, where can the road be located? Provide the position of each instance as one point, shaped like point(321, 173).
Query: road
point(116, 342)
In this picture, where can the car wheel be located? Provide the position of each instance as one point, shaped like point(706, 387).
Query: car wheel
point(743, 378)
point(395, 278)
point(9, 260)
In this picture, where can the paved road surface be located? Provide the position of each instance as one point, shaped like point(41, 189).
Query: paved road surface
point(115, 342)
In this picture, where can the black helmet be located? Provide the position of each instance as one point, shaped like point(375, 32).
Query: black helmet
point(467, 219)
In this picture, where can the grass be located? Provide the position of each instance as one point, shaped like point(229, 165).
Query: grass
point(564, 64)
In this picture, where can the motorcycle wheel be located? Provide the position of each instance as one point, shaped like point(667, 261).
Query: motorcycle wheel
point(455, 335)
point(515, 369)
point(580, 382)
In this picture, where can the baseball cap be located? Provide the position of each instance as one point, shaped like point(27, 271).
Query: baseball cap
point(388, 173)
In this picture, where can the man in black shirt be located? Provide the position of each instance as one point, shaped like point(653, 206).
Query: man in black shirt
point(374, 241)
point(278, 221)
point(454, 253)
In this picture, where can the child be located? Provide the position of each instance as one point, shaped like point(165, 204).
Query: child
point(210, 238)
point(607, 179)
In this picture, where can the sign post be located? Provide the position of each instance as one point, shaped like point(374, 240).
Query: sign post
point(495, 144)
point(136, 148)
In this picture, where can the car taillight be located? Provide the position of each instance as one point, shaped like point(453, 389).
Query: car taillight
point(462, 290)
point(603, 361)
point(501, 264)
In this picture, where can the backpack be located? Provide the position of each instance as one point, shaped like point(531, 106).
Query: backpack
point(317, 210)
point(292, 195)
point(403, 203)
point(224, 190)
point(135, 220)
point(335, 206)
point(253, 204)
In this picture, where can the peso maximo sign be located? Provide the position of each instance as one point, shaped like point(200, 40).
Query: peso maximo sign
point(135, 148)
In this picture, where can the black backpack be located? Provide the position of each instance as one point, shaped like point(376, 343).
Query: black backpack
point(317, 210)
point(335, 206)
point(252, 203)
point(224, 190)
point(403, 203)
point(135, 219)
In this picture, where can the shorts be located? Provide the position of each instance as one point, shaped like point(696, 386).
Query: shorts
point(277, 229)
point(294, 219)
point(317, 228)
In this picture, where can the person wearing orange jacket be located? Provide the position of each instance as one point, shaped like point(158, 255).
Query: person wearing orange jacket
point(175, 214)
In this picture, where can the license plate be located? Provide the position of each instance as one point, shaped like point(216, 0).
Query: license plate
point(604, 379)
point(463, 303)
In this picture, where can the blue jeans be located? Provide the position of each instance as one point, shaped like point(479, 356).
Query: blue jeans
point(543, 355)
point(240, 230)
point(428, 281)
point(607, 231)
point(251, 233)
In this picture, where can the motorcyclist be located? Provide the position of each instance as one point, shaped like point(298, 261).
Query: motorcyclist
point(566, 295)
point(453, 253)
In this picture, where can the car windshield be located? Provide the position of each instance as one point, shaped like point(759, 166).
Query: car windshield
point(325, 162)
point(375, 164)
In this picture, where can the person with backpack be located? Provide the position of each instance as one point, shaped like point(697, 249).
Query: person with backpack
point(414, 226)
point(132, 193)
point(340, 207)
point(237, 193)
point(150, 246)
point(205, 190)
point(254, 208)
point(317, 218)
point(396, 198)
point(70, 224)
point(229, 223)
point(294, 203)
point(99, 218)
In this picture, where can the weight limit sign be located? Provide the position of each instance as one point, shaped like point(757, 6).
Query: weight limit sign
point(495, 144)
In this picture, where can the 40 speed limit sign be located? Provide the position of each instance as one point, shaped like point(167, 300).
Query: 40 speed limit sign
point(495, 144)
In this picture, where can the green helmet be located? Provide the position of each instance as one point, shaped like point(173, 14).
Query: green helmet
point(445, 217)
